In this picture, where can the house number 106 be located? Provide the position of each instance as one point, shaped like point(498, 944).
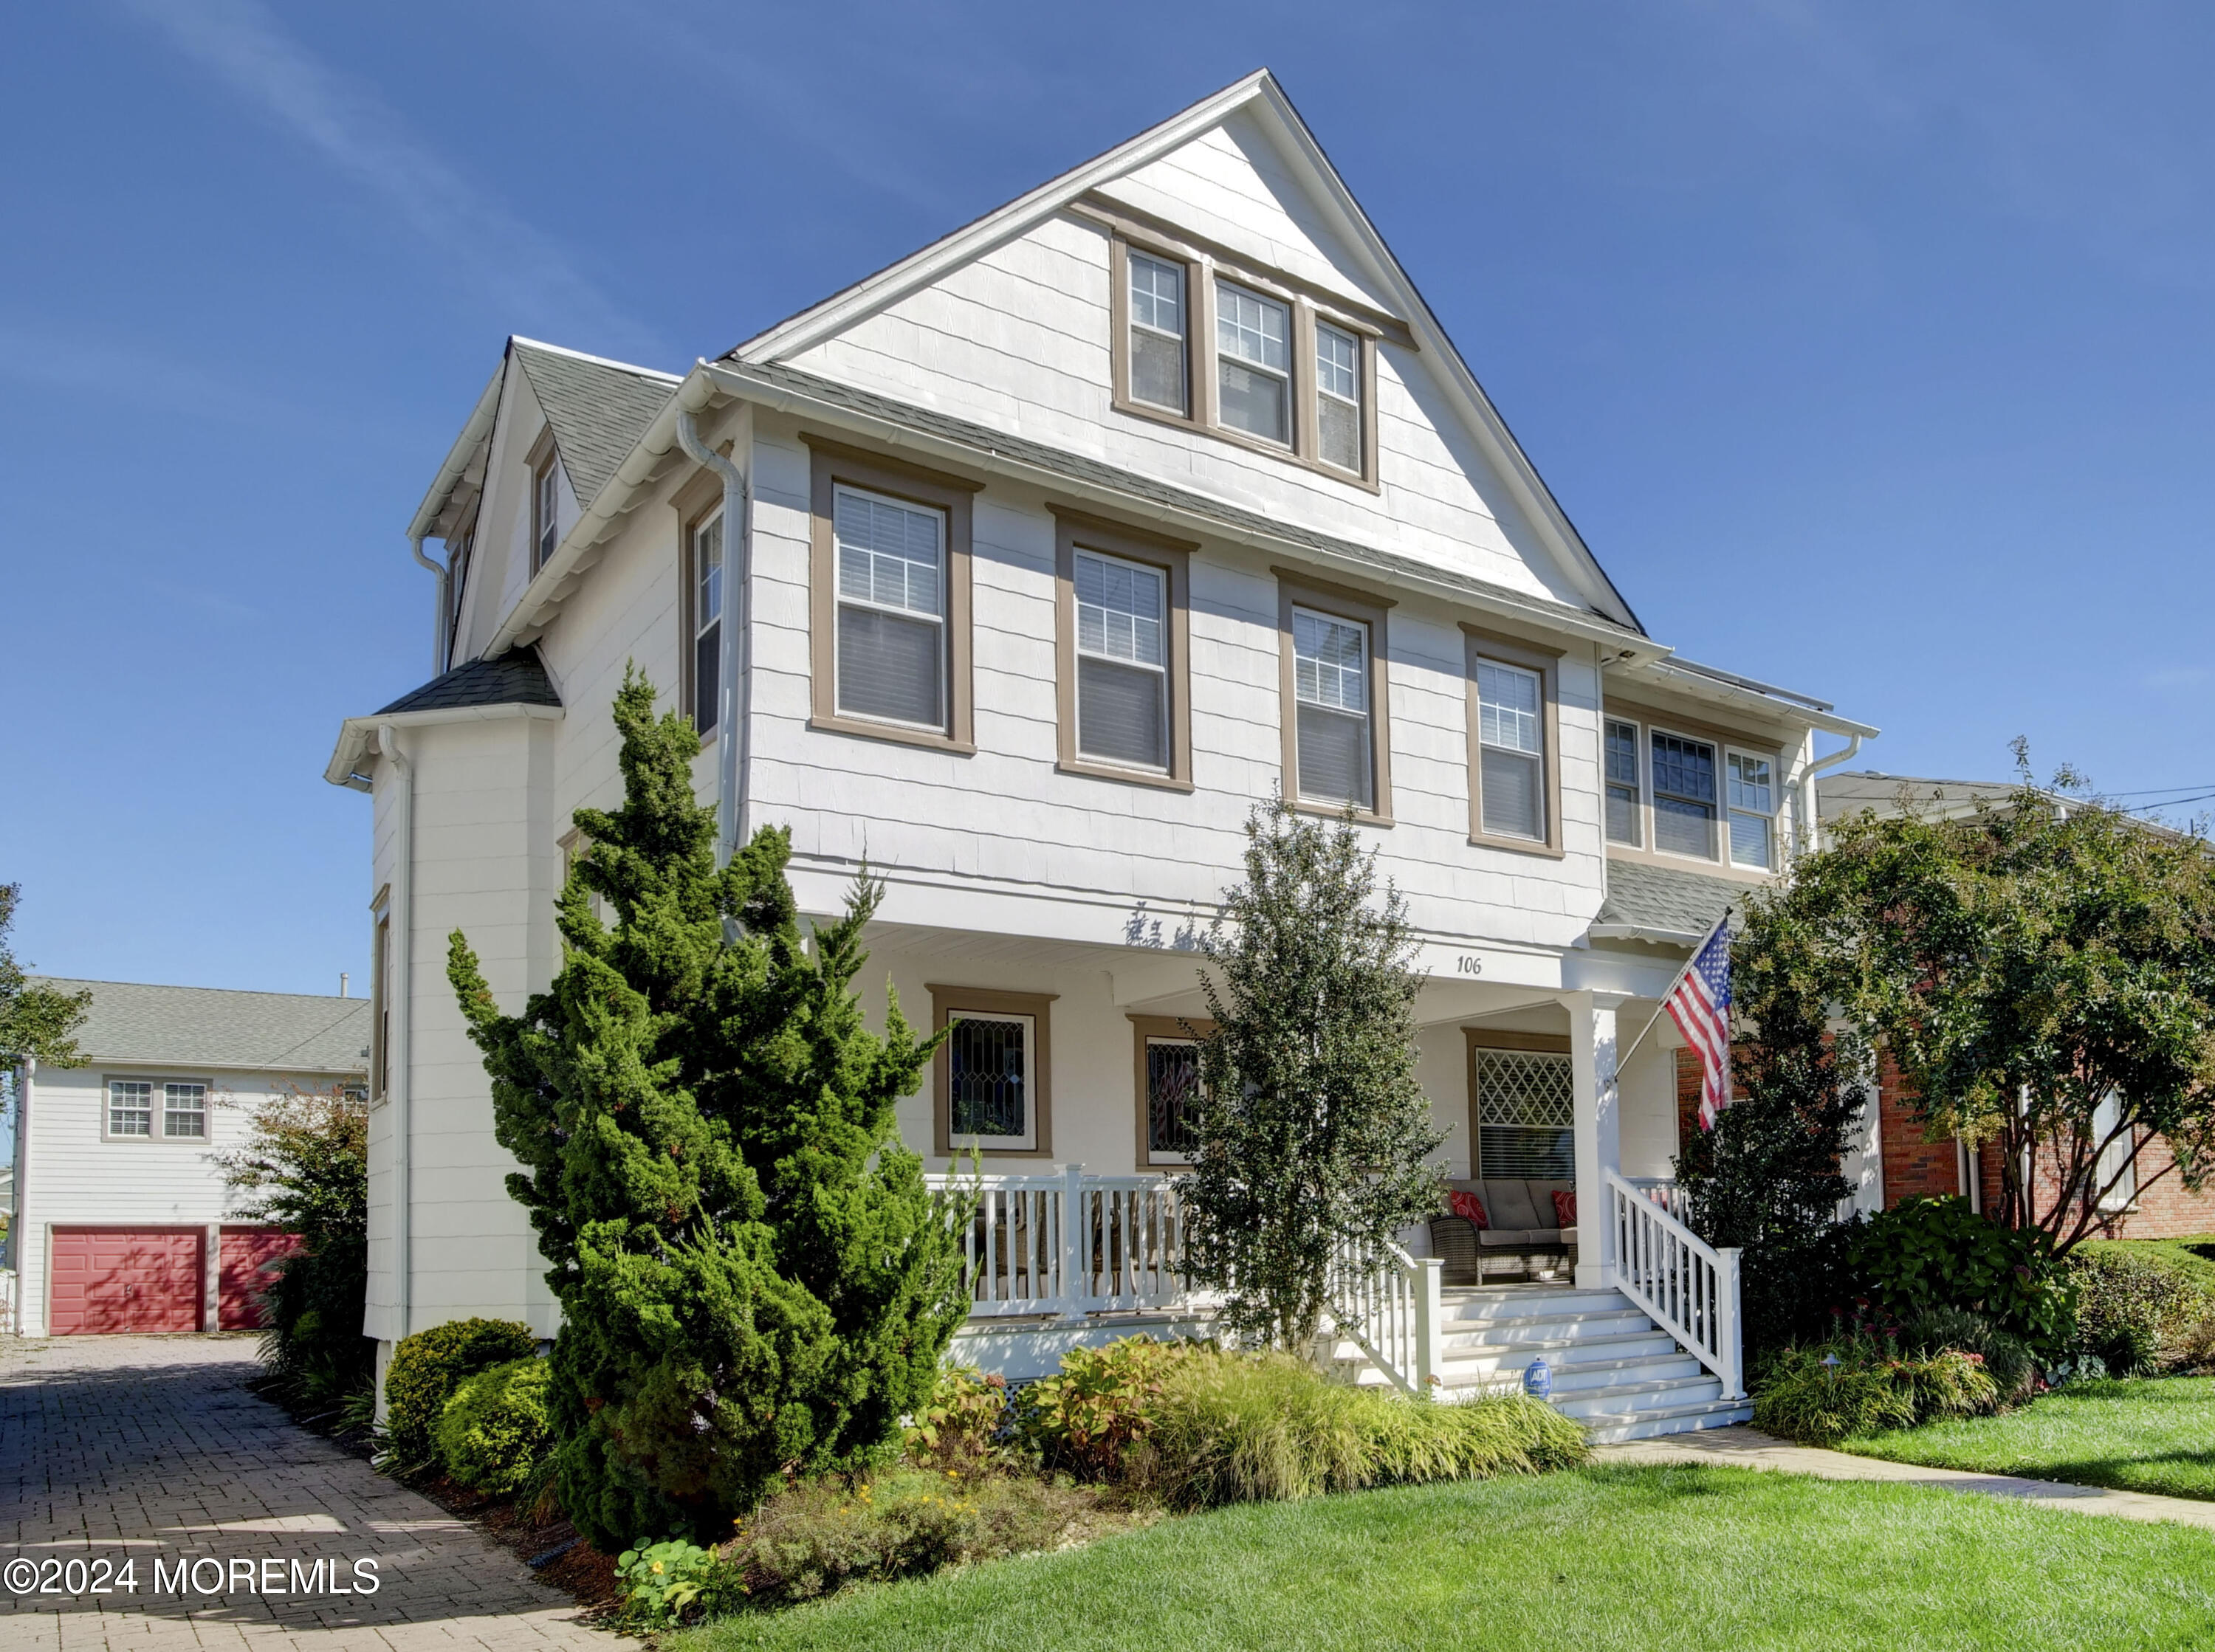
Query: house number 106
point(1470, 966)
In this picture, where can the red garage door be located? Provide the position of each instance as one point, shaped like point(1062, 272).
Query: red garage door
point(126, 1279)
point(246, 1251)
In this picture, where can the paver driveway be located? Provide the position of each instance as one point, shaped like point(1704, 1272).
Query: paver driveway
point(149, 1449)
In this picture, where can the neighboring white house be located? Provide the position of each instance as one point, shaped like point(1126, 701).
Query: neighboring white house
point(1022, 569)
point(122, 1210)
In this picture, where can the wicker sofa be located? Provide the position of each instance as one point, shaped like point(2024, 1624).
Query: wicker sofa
point(1521, 1234)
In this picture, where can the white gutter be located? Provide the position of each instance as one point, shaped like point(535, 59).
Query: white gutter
point(446, 578)
point(399, 1004)
point(1813, 835)
point(356, 732)
point(733, 698)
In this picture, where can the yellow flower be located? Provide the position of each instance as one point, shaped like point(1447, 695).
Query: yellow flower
point(657, 1569)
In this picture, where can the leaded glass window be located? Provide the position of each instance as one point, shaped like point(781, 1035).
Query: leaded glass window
point(1172, 1097)
point(991, 1081)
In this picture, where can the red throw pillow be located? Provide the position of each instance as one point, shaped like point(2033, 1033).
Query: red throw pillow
point(1469, 1207)
point(1565, 1208)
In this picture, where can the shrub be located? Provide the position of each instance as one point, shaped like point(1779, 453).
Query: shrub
point(662, 1584)
point(963, 1421)
point(1103, 1404)
point(2014, 1373)
point(427, 1367)
point(1928, 1253)
point(493, 1434)
point(1826, 1391)
point(818, 1536)
point(1232, 1427)
point(2131, 1303)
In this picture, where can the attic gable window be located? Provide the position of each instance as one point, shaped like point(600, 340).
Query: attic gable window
point(545, 500)
point(1257, 356)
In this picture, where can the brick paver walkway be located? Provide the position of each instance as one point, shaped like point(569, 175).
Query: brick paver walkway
point(148, 1449)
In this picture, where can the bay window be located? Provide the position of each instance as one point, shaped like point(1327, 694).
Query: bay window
point(1683, 780)
point(1623, 809)
point(1752, 795)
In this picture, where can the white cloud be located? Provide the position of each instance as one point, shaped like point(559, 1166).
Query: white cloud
point(528, 273)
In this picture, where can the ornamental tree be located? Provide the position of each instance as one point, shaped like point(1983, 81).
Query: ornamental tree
point(753, 1276)
point(1765, 1179)
point(2024, 967)
point(1311, 1129)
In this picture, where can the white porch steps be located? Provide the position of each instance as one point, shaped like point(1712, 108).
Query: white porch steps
point(1614, 1371)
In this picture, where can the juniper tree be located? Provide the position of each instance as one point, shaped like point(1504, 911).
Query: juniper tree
point(1311, 1128)
point(753, 1276)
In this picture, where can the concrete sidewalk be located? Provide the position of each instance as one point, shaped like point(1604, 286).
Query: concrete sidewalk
point(1743, 1447)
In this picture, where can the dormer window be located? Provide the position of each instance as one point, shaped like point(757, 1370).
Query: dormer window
point(1257, 357)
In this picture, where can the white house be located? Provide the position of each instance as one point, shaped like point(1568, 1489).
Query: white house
point(123, 1222)
point(1022, 569)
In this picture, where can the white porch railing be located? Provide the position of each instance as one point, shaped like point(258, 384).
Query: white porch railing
point(1665, 1192)
point(1387, 1303)
point(1689, 1289)
point(1068, 1243)
point(7, 1301)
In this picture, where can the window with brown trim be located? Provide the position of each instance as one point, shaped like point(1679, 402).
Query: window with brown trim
point(1332, 689)
point(888, 598)
point(1522, 1111)
point(1514, 743)
point(1678, 789)
point(1166, 1056)
point(1253, 356)
point(1122, 641)
point(992, 1078)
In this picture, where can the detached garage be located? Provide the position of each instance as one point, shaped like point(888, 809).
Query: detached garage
point(123, 1223)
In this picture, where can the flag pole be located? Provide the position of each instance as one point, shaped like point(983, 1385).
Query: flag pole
point(1623, 1060)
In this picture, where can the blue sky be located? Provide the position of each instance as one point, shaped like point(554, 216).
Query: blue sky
point(1868, 344)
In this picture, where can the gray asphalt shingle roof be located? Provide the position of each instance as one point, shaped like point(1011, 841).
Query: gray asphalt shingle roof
point(598, 411)
point(515, 678)
point(189, 1026)
point(987, 440)
point(1665, 900)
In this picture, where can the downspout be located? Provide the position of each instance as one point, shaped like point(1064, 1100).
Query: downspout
point(735, 695)
point(1811, 833)
point(446, 578)
point(399, 988)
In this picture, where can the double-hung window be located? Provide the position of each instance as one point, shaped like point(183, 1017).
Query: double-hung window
point(545, 508)
point(1122, 661)
point(1511, 742)
point(892, 609)
point(2117, 1163)
point(1157, 334)
point(1684, 779)
point(130, 1107)
point(1751, 794)
point(1525, 1109)
point(1622, 789)
point(1253, 364)
point(184, 1111)
point(1338, 398)
point(1331, 696)
point(143, 1109)
point(707, 622)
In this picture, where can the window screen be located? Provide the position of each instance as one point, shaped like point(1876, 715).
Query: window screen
point(1525, 1118)
point(130, 1107)
point(1158, 332)
point(1122, 679)
point(184, 1111)
point(1254, 357)
point(989, 1079)
point(1172, 1096)
point(1511, 781)
point(1753, 806)
point(1338, 397)
point(707, 622)
point(1330, 683)
point(1623, 824)
point(892, 592)
point(1684, 796)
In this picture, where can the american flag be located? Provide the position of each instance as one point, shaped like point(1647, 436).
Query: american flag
point(1700, 1005)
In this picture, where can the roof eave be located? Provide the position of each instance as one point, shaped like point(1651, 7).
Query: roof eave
point(356, 733)
point(474, 432)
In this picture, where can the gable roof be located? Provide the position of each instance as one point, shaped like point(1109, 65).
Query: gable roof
point(1260, 96)
point(208, 1026)
point(517, 677)
point(599, 409)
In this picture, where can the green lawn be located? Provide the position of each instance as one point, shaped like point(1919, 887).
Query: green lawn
point(2154, 1435)
point(1656, 1557)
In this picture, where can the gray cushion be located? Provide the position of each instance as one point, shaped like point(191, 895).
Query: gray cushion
point(1507, 1202)
point(1522, 1238)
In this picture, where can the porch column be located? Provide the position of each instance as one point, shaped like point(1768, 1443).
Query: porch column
point(1598, 1118)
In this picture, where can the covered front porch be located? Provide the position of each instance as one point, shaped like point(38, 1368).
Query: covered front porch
point(1061, 1101)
